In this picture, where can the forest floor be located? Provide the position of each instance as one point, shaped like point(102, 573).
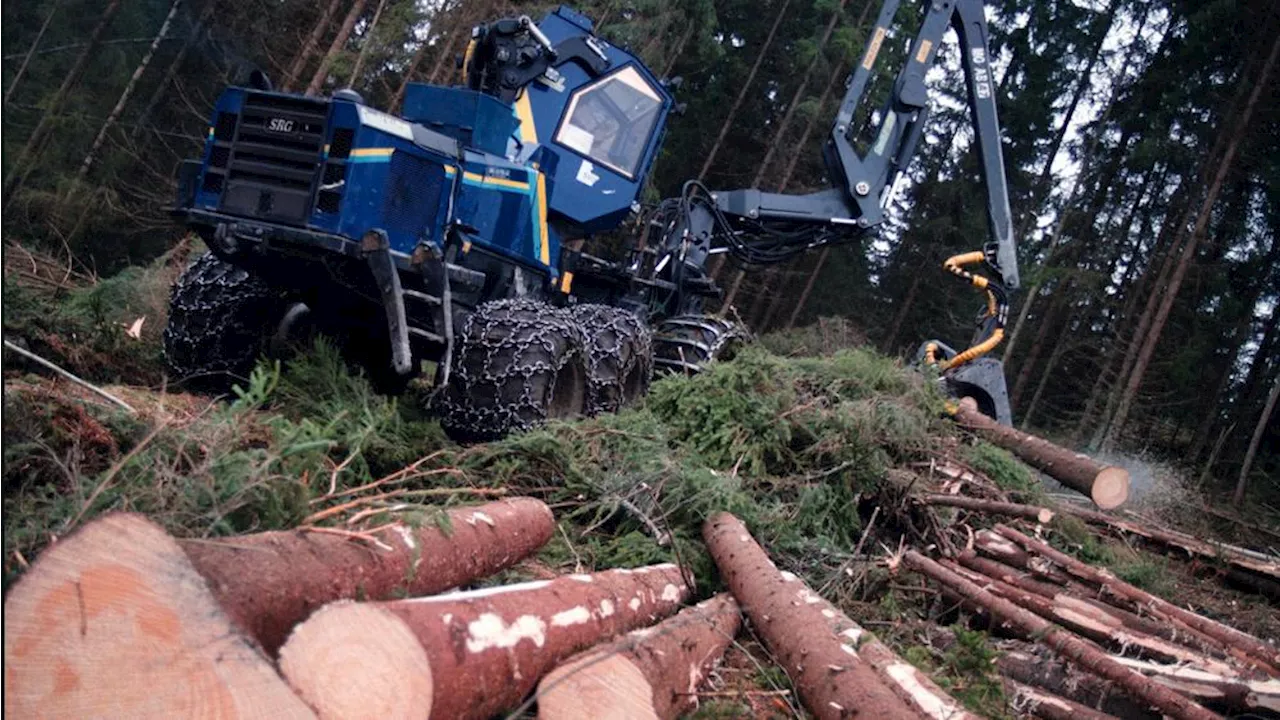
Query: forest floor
point(818, 443)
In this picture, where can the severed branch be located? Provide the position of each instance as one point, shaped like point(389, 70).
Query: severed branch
point(67, 374)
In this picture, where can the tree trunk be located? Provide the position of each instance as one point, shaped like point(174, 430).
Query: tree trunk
point(174, 68)
point(1033, 355)
point(22, 166)
point(1238, 130)
point(309, 47)
point(26, 59)
point(116, 111)
point(119, 599)
point(1107, 486)
point(1059, 348)
point(785, 123)
point(1030, 512)
point(679, 50)
point(368, 42)
point(271, 581)
point(834, 681)
point(1064, 643)
point(1034, 665)
point(901, 316)
point(651, 673)
point(1233, 692)
point(335, 47)
point(742, 92)
point(808, 287)
point(465, 654)
point(1241, 644)
point(1237, 498)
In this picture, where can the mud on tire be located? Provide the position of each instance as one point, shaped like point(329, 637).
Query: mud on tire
point(619, 354)
point(220, 318)
point(516, 364)
point(687, 343)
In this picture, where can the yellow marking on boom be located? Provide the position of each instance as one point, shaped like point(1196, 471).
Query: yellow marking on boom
point(524, 111)
point(874, 48)
point(545, 247)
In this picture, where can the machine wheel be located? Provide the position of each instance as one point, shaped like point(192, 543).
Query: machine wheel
point(688, 343)
point(619, 350)
point(516, 364)
point(220, 319)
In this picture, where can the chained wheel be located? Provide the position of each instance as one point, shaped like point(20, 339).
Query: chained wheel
point(688, 343)
point(516, 364)
point(619, 354)
point(221, 318)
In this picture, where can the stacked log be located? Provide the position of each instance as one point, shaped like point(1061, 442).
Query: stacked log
point(838, 669)
point(466, 654)
point(652, 672)
point(1106, 485)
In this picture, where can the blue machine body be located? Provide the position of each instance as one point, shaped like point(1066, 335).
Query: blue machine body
point(517, 178)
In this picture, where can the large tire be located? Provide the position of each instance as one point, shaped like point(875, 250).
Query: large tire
point(686, 344)
point(516, 364)
point(619, 350)
point(220, 320)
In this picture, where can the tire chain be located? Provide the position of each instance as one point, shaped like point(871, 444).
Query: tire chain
point(618, 343)
point(687, 343)
point(506, 362)
point(219, 315)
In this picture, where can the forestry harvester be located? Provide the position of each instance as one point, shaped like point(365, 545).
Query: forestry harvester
point(453, 234)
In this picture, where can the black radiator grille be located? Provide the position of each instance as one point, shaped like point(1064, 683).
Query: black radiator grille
point(412, 195)
point(275, 158)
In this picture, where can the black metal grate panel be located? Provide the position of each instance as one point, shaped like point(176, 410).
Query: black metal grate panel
point(413, 194)
point(275, 157)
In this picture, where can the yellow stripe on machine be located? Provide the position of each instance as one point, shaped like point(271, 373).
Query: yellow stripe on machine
point(524, 111)
point(495, 181)
point(372, 152)
point(544, 249)
point(566, 282)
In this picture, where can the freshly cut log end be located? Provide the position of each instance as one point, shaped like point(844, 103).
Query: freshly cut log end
point(115, 619)
point(648, 673)
point(480, 651)
point(352, 660)
point(1110, 487)
point(1107, 486)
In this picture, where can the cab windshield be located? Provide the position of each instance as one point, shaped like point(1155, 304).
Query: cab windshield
point(610, 121)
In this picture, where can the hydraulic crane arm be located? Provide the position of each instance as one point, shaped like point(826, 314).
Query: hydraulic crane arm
point(866, 182)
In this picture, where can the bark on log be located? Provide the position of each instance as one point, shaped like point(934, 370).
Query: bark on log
point(833, 680)
point(993, 545)
point(1034, 513)
point(1208, 687)
point(1066, 644)
point(1241, 644)
point(1035, 665)
point(271, 581)
point(1107, 486)
point(1092, 622)
point(1044, 704)
point(1193, 546)
point(1183, 636)
point(467, 654)
point(114, 619)
point(648, 673)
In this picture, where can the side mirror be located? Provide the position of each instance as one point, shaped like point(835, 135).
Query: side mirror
point(258, 80)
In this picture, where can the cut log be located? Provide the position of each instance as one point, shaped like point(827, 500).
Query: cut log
point(647, 673)
point(1208, 687)
point(1034, 513)
point(1106, 485)
point(466, 654)
point(993, 545)
point(1044, 704)
point(1093, 622)
point(271, 581)
point(1241, 644)
point(911, 685)
point(1195, 547)
point(833, 680)
point(1035, 665)
point(1068, 645)
point(1187, 637)
point(114, 620)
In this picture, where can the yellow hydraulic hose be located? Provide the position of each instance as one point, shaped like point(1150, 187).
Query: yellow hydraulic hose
point(995, 309)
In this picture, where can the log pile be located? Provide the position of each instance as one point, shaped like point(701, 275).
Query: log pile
point(1108, 636)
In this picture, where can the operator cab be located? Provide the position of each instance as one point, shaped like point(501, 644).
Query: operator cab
point(590, 114)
